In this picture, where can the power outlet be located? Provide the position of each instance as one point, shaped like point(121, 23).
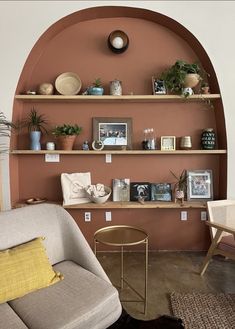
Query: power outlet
point(108, 216)
point(108, 158)
point(52, 157)
point(183, 215)
point(87, 216)
point(203, 215)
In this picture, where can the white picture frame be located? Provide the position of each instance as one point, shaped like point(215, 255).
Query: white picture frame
point(199, 185)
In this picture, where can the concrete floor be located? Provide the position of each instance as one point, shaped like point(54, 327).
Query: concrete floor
point(168, 272)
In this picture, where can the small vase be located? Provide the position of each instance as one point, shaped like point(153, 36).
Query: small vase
point(116, 88)
point(179, 195)
point(66, 142)
point(35, 140)
point(95, 91)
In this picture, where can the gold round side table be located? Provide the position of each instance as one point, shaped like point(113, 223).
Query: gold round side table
point(123, 236)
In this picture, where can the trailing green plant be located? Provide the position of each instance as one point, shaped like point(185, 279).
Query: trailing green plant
point(174, 76)
point(35, 121)
point(181, 180)
point(66, 130)
point(97, 83)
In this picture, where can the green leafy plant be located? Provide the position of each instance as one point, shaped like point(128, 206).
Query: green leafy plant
point(174, 76)
point(35, 121)
point(181, 180)
point(5, 130)
point(97, 83)
point(66, 130)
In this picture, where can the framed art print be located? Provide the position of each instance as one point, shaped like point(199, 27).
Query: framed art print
point(199, 185)
point(161, 192)
point(140, 191)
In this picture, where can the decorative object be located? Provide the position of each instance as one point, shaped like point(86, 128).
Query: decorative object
point(167, 143)
point(74, 188)
point(31, 92)
point(161, 192)
point(97, 145)
point(98, 193)
point(68, 83)
point(36, 124)
point(158, 86)
point(180, 186)
point(205, 89)
point(187, 91)
point(5, 130)
point(182, 75)
point(116, 88)
point(208, 139)
point(204, 310)
point(121, 189)
point(46, 89)
point(85, 146)
point(199, 185)
point(66, 135)
point(185, 142)
point(96, 88)
point(115, 133)
point(118, 41)
point(149, 142)
point(140, 191)
point(35, 200)
point(50, 146)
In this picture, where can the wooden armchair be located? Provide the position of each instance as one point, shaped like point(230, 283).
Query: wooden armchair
point(222, 227)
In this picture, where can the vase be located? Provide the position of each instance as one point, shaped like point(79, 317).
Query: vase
point(35, 140)
point(186, 143)
point(95, 91)
point(116, 88)
point(191, 80)
point(66, 142)
point(208, 139)
point(179, 195)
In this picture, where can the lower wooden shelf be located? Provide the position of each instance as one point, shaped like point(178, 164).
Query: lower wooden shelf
point(138, 205)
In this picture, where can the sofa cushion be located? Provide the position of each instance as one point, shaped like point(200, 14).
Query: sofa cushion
point(82, 301)
point(9, 319)
point(23, 269)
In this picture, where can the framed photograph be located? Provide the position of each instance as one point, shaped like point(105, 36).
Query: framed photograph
point(158, 86)
point(161, 192)
point(115, 133)
point(167, 143)
point(199, 185)
point(121, 189)
point(140, 191)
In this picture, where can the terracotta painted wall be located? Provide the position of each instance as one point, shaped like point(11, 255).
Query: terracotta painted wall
point(81, 48)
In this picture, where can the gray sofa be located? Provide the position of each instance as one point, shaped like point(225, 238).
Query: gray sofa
point(85, 299)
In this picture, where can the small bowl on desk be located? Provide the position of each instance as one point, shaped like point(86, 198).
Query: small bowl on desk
point(101, 199)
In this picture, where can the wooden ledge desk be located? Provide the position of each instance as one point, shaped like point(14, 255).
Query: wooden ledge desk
point(123, 236)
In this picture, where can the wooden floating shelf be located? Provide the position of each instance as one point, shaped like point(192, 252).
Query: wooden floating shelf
point(119, 152)
point(123, 98)
point(137, 205)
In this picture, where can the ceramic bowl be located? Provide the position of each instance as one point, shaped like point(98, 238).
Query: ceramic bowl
point(101, 199)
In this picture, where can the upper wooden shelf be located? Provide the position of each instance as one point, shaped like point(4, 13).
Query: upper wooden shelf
point(123, 98)
point(137, 205)
point(121, 152)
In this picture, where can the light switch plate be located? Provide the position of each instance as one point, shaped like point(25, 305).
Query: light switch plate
point(52, 157)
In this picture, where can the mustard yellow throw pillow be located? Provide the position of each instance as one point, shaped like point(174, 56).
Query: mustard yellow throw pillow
point(25, 268)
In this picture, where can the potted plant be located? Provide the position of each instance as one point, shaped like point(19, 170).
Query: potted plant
point(180, 185)
point(5, 129)
point(36, 124)
point(182, 75)
point(66, 135)
point(96, 88)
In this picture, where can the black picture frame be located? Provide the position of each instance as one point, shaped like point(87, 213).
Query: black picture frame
point(158, 86)
point(115, 133)
point(140, 191)
point(161, 192)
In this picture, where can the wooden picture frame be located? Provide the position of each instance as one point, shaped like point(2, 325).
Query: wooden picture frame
point(168, 143)
point(115, 133)
point(158, 86)
point(199, 185)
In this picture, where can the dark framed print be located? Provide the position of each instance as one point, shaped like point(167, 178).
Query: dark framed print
point(115, 133)
point(158, 86)
point(140, 191)
point(199, 185)
point(161, 192)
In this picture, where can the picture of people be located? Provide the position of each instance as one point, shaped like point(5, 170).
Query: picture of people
point(200, 185)
point(113, 133)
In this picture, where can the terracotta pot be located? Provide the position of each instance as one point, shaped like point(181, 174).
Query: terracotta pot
point(191, 80)
point(66, 142)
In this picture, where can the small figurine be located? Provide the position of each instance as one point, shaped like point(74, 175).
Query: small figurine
point(85, 146)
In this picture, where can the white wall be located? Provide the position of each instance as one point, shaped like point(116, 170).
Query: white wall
point(212, 22)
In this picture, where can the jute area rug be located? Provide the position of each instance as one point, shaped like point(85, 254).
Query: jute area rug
point(204, 310)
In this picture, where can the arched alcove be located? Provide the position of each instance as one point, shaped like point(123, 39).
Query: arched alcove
point(78, 43)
